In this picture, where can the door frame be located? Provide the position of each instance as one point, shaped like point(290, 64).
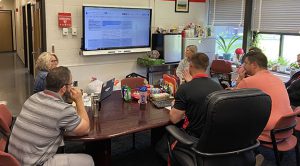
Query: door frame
point(25, 36)
point(12, 30)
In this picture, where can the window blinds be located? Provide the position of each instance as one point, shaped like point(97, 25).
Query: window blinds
point(226, 12)
point(278, 16)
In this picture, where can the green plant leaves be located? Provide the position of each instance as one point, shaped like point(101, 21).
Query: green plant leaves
point(223, 44)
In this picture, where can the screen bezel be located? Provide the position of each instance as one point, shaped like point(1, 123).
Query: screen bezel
point(114, 48)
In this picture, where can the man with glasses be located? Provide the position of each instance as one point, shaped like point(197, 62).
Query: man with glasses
point(255, 65)
point(293, 87)
point(44, 119)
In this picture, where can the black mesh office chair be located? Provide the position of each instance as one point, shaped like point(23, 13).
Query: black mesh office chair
point(234, 120)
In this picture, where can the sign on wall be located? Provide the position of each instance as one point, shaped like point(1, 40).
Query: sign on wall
point(64, 20)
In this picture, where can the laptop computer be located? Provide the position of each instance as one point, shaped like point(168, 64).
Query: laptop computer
point(107, 88)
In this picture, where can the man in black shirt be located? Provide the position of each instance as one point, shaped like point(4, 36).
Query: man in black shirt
point(190, 96)
point(189, 99)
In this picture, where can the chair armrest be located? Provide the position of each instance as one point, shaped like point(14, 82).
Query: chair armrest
point(227, 153)
point(181, 136)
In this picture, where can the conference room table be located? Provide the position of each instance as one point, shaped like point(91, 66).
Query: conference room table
point(116, 118)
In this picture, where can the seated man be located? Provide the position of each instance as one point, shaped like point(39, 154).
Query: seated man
point(294, 93)
point(191, 96)
point(189, 99)
point(293, 87)
point(45, 118)
point(255, 65)
point(296, 75)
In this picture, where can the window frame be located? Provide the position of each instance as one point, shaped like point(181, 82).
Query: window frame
point(281, 42)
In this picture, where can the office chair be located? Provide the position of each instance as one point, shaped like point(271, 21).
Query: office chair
point(133, 81)
point(222, 70)
point(234, 120)
point(172, 81)
point(297, 127)
point(282, 138)
point(5, 124)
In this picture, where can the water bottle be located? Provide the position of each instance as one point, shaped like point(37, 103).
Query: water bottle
point(94, 101)
point(143, 97)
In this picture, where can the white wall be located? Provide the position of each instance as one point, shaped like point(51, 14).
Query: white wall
point(7, 5)
point(19, 28)
point(107, 66)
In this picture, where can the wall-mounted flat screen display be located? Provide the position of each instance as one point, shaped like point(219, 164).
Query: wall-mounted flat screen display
point(108, 28)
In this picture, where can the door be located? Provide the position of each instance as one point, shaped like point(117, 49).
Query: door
point(30, 38)
point(24, 16)
point(6, 31)
point(37, 42)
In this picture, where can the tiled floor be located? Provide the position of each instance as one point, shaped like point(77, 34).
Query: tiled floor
point(16, 86)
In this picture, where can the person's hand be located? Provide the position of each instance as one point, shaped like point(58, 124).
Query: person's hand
point(76, 94)
point(187, 76)
point(230, 88)
point(242, 74)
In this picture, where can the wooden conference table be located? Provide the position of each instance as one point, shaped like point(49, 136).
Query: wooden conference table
point(117, 118)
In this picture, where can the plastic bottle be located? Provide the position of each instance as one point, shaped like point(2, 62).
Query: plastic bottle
point(94, 100)
point(143, 97)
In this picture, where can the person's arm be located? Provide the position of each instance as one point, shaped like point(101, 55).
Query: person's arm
point(179, 105)
point(179, 70)
point(242, 84)
point(187, 76)
point(176, 115)
point(84, 125)
point(241, 75)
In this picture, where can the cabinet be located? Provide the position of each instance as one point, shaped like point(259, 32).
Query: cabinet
point(205, 45)
point(169, 46)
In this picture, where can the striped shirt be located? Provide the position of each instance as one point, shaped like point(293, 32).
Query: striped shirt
point(38, 130)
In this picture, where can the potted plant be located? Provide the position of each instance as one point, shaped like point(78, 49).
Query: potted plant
point(283, 63)
point(272, 65)
point(227, 46)
point(293, 68)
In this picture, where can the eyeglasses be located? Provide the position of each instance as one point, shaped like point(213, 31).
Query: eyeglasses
point(74, 84)
point(71, 84)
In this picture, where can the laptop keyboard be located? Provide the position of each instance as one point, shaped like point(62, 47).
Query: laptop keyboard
point(162, 103)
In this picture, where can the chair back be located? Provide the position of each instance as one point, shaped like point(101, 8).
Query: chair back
point(285, 125)
point(171, 81)
point(133, 82)
point(7, 159)
point(5, 123)
point(220, 66)
point(234, 119)
point(221, 69)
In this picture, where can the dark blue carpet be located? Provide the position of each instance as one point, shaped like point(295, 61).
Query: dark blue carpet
point(123, 153)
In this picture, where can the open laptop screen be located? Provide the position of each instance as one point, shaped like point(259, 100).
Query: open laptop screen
point(107, 88)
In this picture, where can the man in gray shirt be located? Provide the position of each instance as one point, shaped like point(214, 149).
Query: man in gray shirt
point(44, 119)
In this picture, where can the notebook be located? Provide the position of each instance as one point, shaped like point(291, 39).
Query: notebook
point(107, 88)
